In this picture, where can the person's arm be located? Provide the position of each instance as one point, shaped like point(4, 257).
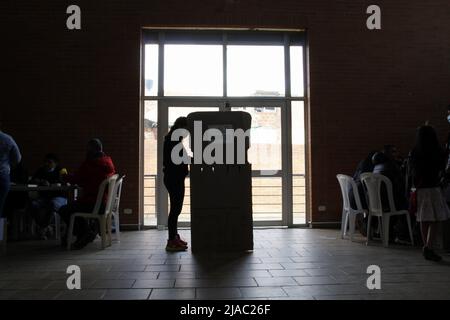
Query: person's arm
point(14, 154)
point(108, 168)
point(111, 168)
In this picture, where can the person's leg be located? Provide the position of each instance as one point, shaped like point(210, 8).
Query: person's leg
point(65, 212)
point(85, 228)
point(52, 207)
point(424, 226)
point(80, 224)
point(428, 234)
point(176, 205)
point(431, 234)
point(38, 209)
point(4, 189)
point(81, 227)
point(56, 203)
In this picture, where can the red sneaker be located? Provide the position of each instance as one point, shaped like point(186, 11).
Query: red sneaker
point(175, 245)
point(177, 237)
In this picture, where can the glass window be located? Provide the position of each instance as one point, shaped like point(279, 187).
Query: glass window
point(297, 86)
point(193, 70)
point(265, 138)
point(150, 161)
point(298, 137)
point(255, 71)
point(151, 70)
point(298, 162)
point(150, 136)
point(267, 198)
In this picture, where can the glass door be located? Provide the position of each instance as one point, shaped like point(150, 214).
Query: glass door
point(276, 153)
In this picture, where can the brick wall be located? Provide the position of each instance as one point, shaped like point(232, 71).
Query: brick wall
point(367, 88)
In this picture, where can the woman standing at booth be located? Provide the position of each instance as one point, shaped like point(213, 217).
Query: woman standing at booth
point(174, 176)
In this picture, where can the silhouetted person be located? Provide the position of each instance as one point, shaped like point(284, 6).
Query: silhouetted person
point(447, 169)
point(428, 161)
point(174, 176)
point(393, 154)
point(9, 157)
point(44, 207)
point(388, 166)
point(93, 171)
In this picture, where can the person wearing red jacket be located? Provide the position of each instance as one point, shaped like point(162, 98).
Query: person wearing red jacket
point(92, 172)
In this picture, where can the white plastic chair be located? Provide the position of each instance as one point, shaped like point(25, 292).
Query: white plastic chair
point(116, 205)
point(103, 219)
point(372, 183)
point(348, 213)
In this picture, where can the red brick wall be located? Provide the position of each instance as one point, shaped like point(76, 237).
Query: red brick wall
point(367, 88)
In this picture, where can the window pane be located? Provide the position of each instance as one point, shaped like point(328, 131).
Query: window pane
point(298, 137)
point(265, 138)
point(151, 70)
point(267, 198)
point(299, 199)
point(298, 163)
point(193, 70)
point(297, 89)
point(150, 158)
point(255, 70)
point(150, 136)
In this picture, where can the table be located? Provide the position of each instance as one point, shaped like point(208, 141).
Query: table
point(71, 192)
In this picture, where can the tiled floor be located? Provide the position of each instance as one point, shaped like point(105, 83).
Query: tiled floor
point(286, 264)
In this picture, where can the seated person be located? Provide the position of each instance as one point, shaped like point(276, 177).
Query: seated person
point(364, 166)
point(389, 168)
point(44, 206)
point(93, 171)
point(393, 154)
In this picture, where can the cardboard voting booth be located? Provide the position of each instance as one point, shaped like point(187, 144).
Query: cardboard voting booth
point(221, 193)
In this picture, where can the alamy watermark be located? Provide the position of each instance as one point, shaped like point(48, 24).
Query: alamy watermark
point(374, 280)
point(233, 142)
point(74, 280)
point(73, 22)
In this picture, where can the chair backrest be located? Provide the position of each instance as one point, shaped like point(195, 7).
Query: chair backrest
point(108, 182)
point(348, 185)
point(117, 193)
point(372, 183)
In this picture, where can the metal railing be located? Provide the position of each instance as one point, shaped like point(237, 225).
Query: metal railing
point(267, 199)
